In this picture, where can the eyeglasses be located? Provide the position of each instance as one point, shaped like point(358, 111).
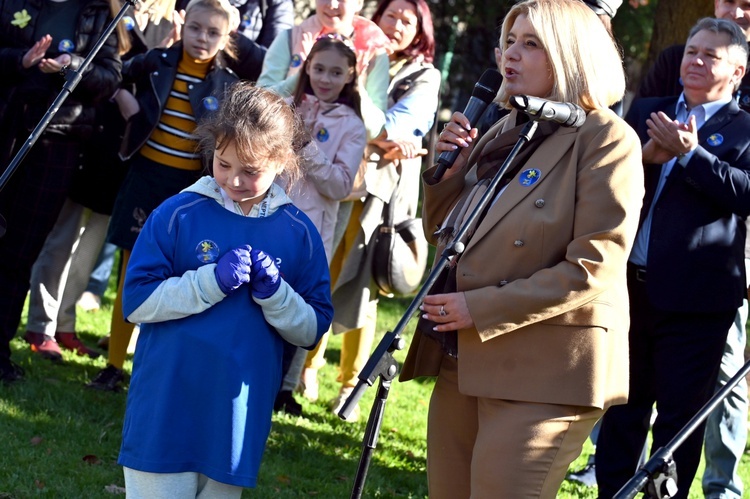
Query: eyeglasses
point(339, 37)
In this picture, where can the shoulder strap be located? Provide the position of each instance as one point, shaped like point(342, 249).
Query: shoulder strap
point(389, 208)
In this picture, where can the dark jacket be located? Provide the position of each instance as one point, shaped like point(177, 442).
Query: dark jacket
point(153, 74)
point(22, 107)
point(695, 252)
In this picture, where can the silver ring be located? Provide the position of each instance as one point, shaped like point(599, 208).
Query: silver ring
point(442, 312)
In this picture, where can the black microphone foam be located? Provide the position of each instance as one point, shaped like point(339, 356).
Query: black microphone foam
point(564, 113)
point(484, 92)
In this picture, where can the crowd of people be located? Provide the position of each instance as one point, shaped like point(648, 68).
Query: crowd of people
point(202, 127)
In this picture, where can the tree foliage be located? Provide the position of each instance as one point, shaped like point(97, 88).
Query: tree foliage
point(467, 31)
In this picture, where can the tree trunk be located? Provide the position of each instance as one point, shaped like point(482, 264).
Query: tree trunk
point(672, 22)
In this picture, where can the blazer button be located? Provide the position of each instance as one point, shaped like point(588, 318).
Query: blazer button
point(518, 243)
point(539, 203)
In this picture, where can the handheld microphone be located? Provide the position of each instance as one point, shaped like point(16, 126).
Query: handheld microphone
point(484, 92)
point(564, 113)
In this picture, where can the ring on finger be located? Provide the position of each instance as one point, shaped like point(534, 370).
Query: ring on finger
point(442, 311)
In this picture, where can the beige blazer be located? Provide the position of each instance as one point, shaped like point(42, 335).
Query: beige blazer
point(544, 274)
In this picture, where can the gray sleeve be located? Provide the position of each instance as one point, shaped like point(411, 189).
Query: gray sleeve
point(178, 297)
point(290, 315)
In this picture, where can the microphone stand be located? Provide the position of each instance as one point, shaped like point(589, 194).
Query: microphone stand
point(382, 364)
point(659, 474)
point(72, 78)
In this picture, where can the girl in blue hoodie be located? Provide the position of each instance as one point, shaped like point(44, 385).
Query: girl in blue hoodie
point(220, 275)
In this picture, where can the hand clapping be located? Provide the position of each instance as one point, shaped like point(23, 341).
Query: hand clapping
point(669, 138)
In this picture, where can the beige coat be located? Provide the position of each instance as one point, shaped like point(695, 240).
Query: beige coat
point(544, 274)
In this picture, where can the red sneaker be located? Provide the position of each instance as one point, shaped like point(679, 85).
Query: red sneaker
point(46, 347)
point(71, 341)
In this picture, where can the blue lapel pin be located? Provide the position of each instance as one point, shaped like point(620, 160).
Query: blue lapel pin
point(530, 177)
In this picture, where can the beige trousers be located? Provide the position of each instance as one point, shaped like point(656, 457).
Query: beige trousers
point(487, 448)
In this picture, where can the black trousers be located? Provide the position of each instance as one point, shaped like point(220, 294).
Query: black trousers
point(30, 203)
point(674, 362)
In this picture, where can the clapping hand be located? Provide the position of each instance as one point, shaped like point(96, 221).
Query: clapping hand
point(36, 52)
point(669, 138)
point(266, 279)
point(234, 269)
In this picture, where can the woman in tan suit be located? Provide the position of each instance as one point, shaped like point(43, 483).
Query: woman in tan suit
point(527, 335)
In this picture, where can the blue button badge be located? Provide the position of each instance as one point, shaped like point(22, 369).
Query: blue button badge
point(129, 23)
point(322, 135)
point(211, 103)
point(529, 177)
point(715, 139)
point(65, 46)
point(207, 251)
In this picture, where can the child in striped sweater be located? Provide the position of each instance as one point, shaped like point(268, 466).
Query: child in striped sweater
point(176, 88)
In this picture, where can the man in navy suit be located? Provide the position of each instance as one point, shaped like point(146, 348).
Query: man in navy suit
point(726, 426)
point(686, 274)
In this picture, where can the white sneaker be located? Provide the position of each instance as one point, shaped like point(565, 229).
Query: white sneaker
point(89, 301)
point(339, 401)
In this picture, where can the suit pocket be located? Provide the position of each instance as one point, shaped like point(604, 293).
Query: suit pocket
point(597, 314)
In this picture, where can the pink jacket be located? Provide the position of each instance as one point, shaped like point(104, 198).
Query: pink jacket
point(330, 162)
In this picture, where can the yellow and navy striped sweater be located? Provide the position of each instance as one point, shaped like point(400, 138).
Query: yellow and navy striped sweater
point(172, 143)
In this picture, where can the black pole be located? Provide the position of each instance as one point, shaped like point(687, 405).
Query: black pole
point(381, 363)
point(658, 475)
point(72, 78)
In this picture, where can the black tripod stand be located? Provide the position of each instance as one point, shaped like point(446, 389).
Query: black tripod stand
point(381, 364)
point(658, 477)
point(72, 79)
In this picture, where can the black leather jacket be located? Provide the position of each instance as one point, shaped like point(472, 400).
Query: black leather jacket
point(21, 108)
point(153, 74)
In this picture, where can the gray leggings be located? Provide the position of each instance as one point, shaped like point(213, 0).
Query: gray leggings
point(144, 485)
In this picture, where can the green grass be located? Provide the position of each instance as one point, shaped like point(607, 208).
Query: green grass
point(61, 440)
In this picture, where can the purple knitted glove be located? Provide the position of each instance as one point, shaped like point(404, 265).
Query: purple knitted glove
point(233, 269)
point(266, 279)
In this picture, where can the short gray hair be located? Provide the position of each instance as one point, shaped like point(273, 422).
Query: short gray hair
point(737, 48)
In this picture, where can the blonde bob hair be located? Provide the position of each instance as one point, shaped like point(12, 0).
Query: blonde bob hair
point(585, 62)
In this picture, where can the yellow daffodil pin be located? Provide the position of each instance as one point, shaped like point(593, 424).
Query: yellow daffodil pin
point(21, 19)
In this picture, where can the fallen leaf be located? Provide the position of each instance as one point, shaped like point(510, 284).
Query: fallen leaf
point(36, 440)
point(38, 483)
point(283, 479)
point(91, 459)
point(114, 489)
